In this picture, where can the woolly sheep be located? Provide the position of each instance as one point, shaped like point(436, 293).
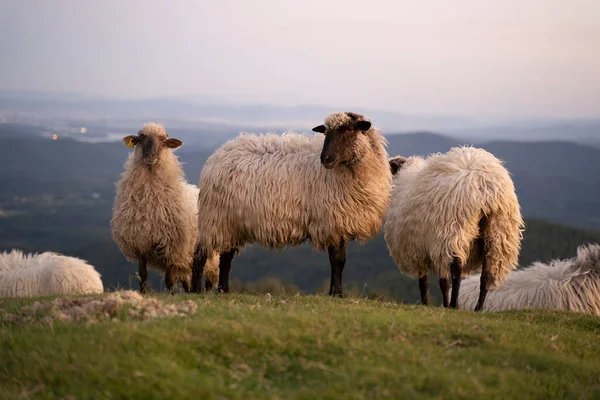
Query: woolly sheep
point(572, 284)
point(46, 274)
point(452, 214)
point(280, 191)
point(154, 213)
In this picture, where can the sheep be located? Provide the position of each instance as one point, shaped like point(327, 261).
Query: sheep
point(279, 191)
point(46, 274)
point(452, 214)
point(154, 213)
point(572, 284)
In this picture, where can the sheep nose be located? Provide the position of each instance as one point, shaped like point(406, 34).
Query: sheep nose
point(328, 161)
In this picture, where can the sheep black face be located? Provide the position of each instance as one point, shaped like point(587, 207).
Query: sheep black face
point(344, 139)
point(149, 143)
point(396, 164)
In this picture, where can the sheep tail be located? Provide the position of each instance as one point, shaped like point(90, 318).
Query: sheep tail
point(501, 244)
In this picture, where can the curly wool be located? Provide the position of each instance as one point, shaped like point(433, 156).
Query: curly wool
point(154, 213)
point(435, 211)
point(46, 274)
point(572, 284)
point(272, 190)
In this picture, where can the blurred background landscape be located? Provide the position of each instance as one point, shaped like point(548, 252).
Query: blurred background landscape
point(520, 80)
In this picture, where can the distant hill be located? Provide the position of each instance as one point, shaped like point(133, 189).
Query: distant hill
point(556, 181)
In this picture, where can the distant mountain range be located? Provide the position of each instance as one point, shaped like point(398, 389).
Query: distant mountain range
point(203, 115)
point(556, 181)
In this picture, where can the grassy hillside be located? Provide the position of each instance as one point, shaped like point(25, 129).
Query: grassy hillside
point(241, 346)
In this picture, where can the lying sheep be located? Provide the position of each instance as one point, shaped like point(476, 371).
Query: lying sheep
point(572, 285)
point(452, 214)
point(46, 274)
point(154, 216)
point(280, 191)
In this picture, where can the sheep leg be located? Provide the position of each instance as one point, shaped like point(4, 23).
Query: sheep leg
point(485, 271)
point(445, 288)
point(337, 259)
point(185, 283)
point(423, 286)
point(456, 270)
point(143, 274)
point(483, 285)
point(198, 269)
point(208, 286)
point(169, 281)
point(225, 270)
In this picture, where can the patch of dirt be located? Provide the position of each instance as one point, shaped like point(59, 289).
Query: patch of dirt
point(101, 308)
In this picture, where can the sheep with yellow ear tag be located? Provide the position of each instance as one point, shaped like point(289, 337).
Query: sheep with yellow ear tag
point(154, 212)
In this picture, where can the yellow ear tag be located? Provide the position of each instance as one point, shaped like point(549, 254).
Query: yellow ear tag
point(130, 143)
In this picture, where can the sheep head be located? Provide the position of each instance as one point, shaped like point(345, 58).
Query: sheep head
point(345, 139)
point(396, 164)
point(150, 143)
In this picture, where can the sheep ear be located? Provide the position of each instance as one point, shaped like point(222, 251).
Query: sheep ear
point(363, 125)
point(173, 143)
point(130, 141)
point(396, 163)
point(320, 129)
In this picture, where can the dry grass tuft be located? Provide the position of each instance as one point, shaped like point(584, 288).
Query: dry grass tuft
point(112, 306)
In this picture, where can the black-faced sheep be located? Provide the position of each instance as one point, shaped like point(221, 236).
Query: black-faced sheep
point(572, 285)
point(280, 191)
point(46, 274)
point(452, 214)
point(154, 214)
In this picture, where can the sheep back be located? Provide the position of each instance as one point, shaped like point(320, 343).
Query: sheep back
point(272, 190)
point(436, 208)
point(572, 284)
point(46, 274)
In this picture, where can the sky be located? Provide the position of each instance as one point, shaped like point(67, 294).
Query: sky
point(521, 58)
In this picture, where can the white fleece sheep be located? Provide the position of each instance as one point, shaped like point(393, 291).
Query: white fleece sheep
point(572, 284)
point(46, 274)
point(454, 214)
point(154, 214)
point(280, 191)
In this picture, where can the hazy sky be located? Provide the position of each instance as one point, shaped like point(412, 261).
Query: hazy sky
point(460, 57)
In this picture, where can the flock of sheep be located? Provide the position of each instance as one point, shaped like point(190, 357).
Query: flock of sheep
point(450, 215)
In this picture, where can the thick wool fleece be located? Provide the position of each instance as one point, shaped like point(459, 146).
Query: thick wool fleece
point(272, 190)
point(572, 285)
point(46, 274)
point(435, 211)
point(154, 212)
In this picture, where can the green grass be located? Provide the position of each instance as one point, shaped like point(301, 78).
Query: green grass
point(305, 347)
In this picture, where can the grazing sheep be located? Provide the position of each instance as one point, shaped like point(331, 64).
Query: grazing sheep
point(46, 274)
point(280, 191)
point(572, 285)
point(154, 214)
point(452, 214)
